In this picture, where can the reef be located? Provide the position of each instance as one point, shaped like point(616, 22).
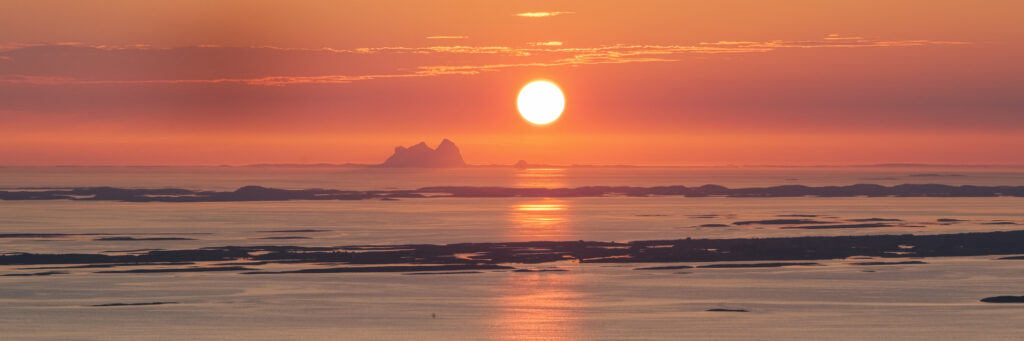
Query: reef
point(766, 252)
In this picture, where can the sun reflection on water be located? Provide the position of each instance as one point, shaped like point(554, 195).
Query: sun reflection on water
point(541, 218)
point(545, 218)
point(541, 177)
point(539, 306)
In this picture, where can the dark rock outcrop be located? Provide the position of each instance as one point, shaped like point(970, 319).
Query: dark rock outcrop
point(909, 262)
point(1003, 299)
point(420, 155)
point(131, 304)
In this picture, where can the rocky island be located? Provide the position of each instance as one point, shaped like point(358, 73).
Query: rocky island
point(446, 155)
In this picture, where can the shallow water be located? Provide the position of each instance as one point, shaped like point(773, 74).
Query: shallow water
point(938, 300)
point(362, 178)
point(454, 220)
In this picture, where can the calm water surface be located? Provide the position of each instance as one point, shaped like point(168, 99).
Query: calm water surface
point(938, 300)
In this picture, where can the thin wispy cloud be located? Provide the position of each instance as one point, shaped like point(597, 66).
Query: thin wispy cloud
point(542, 14)
point(447, 37)
point(836, 36)
point(26, 65)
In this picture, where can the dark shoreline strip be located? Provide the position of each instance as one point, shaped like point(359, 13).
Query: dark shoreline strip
point(1003, 299)
point(753, 265)
point(140, 271)
point(911, 262)
point(395, 268)
point(451, 257)
point(259, 193)
point(131, 304)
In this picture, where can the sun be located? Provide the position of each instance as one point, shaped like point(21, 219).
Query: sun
point(540, 102)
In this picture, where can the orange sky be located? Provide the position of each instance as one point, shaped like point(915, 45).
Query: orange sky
point(646, 82)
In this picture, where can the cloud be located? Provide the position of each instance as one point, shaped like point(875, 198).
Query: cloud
point(276, 66)
point(447, 37)
point(542, 14)
point(456, 49)
point(836, 36)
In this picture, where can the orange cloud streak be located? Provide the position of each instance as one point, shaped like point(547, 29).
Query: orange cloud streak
point(549, 54)
point(542, 14)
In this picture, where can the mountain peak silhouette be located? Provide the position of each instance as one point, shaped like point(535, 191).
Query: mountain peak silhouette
point(420, 155)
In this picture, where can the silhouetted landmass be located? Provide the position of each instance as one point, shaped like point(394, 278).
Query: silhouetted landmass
point(813, 248)
point(148, 257)
point(890, 263)
point(247, 193)
point(258, 193)
point(31, 235)
point(781, 222)
point(88, 266)
point(130, 304)
point(714, 225)
point(1003, 299)
point(797, 215)
point(420, 155)
point(999, 223)
point(483, 256)
point(540, 270)
point(445, 273)
point(131, 251)
point(862, 220)
point(1012, 258)
point(948, 220)
point(243, 263)
point(395, 268)
point(207, 269)
point(728, 310)
point(673, 267)
point(908, 190)
point(45, 235)
point(294, 231)
point(44, 273)
point(140, 239)
point(839, 226)
point(752, 265)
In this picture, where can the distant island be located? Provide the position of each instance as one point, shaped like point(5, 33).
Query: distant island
point(446, 155)
point(260, 193)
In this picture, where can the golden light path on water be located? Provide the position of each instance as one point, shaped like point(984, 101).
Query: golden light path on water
point(539, 218)
point(539, 305)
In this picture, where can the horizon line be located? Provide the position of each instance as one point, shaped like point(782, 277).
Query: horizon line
point(531, 165)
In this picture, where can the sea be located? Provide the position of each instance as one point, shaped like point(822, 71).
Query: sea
point(838, 300)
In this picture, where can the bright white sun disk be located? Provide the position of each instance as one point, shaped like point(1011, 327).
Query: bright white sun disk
point(540, 102)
